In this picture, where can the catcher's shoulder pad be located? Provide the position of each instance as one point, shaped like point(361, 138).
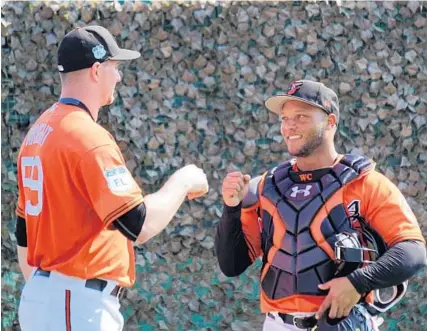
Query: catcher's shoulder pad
point(252, 197)
point(358, 163)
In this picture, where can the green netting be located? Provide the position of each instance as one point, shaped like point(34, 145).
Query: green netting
point(203, 104)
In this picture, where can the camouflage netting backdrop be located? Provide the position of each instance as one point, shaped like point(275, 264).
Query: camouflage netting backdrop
point(196, 96)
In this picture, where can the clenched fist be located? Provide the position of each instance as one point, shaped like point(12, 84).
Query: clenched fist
point(195, 179)
point(234, 188)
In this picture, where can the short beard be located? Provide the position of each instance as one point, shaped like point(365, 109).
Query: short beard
point(311, 145)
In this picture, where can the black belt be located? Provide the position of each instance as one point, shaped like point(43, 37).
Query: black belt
point(94, 283)
point(299, 322)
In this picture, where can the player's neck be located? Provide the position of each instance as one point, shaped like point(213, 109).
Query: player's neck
point(323, 157)
point(85, 96)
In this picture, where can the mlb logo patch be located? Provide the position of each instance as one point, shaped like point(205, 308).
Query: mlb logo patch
point(99, 52)
point(118, 179)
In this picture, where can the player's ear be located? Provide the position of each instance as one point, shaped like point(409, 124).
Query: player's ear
point(332, 121)
point(94, 71)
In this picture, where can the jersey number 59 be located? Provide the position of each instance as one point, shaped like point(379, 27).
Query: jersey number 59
point(33, 179)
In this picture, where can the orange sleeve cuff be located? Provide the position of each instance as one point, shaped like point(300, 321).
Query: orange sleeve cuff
point(123, 209)
point(407, 236)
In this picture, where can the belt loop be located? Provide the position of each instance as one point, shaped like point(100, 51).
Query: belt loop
point(109, 288)
point(33, 271)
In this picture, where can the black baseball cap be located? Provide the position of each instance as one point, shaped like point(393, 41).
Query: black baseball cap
point(84, 46)
point(307, 91)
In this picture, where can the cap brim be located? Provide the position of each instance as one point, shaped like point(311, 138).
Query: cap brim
point(275, 103)
point(125, 54)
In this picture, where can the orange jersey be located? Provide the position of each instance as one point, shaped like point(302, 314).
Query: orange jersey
point(73, 183)
point(371, 196)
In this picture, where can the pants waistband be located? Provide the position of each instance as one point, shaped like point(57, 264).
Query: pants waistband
point(300, 322)
point(94, 283)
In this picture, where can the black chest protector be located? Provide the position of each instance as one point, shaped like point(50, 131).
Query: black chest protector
point(300, 264)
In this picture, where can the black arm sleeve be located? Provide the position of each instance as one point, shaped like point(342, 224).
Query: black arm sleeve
point(230, 245)
point(21, 232)
point(130, 224)
point(399, 263)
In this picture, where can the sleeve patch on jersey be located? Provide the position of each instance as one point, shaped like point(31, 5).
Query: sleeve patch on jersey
point(118, 179)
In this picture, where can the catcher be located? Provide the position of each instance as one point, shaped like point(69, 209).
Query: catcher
point(331, 230)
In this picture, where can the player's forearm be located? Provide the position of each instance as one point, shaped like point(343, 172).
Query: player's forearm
point(22, 260)
point(230, 245)
point(161, 206)
point(398, 264)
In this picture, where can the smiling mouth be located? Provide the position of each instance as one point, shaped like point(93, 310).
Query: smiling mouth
point(294, 137)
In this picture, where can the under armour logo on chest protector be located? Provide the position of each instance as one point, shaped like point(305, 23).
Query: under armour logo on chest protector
point(302, 192)
point(296, 190)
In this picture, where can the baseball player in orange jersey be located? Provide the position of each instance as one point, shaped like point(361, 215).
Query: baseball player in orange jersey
point(79, 209)
point(331, 230)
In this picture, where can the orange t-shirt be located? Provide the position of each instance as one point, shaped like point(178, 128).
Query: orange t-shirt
point(376, 198)
point(73, 183)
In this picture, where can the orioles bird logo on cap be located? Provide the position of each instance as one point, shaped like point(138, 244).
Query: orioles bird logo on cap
point(295, 86)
